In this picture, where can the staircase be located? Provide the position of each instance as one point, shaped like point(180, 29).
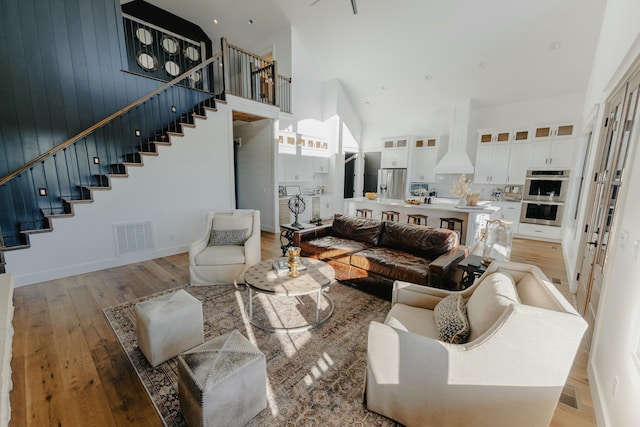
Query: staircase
point(56, 204)
point(51, 184)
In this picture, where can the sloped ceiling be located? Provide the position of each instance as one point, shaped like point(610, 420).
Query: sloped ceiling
point(403, 60)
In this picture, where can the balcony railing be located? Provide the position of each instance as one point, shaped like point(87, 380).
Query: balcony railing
point(155, 52)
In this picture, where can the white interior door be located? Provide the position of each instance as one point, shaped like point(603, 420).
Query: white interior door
point(608, 180)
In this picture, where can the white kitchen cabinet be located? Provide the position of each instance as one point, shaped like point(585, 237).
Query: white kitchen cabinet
point(554, 131)
point(542, 232)
point(326, 207)
point(552, 146)
point(424, 157)
point(492, 163)
point(320, 164)
point(395, 153)
point(511, 212)
point(552, 153)
point(518, 162)
point(296, 168)
point(395, 158)
point(490, 136)
point(401, 142)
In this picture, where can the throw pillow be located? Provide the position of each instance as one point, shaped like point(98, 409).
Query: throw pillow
point(228, 237)
point(451, 320)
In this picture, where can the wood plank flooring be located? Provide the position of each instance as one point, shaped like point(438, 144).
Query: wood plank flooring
point(69, 369)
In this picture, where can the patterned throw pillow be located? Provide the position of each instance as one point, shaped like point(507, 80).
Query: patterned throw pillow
point(451, 319)
point(228, 237)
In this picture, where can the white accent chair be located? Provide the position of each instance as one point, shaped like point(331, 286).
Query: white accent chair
point(225, 264)
point(511, 372)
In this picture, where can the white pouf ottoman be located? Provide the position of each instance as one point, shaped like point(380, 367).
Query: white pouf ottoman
point(222, 382)
point(168, 325)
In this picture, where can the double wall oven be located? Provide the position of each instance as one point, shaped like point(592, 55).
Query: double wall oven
point(544, 197)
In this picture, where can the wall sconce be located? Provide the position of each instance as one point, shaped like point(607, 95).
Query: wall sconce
point(96, 160)
point(42, 191)
point(137, 132)
point(173, 109)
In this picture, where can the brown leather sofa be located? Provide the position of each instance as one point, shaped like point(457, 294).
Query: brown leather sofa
point(372, 254)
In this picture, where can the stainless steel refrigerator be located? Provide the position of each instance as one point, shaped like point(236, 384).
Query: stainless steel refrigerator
point(391, 183)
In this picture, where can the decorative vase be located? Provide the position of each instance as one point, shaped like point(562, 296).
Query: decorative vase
point(472, 199)
point(463, 201)
point(498, 241)
point(294, 261)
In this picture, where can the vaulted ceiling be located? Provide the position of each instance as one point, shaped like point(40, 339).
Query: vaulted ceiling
point(403, 60)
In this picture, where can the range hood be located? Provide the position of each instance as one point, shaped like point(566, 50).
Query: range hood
point(456, 160)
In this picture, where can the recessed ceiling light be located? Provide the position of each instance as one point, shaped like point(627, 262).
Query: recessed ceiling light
point(555, 45)
point(428, 77)
point(384, 87)
point(367, 102)
point(250, 22)
point(215, 21)
point(483, 64)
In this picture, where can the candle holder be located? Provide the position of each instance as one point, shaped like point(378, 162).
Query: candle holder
point(294, 261)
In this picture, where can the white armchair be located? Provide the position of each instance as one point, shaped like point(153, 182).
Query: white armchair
point(220, 257)
point(510, 373)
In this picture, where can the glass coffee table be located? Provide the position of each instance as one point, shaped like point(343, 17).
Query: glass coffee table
point(318, 276)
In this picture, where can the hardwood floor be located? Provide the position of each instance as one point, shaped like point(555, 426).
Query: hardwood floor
point(69, 369)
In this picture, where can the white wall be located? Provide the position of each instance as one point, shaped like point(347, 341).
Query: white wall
point(175, 190)
point(618, 324)
point(256, 169)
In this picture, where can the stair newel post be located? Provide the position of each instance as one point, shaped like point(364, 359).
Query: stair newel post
point(225, 65)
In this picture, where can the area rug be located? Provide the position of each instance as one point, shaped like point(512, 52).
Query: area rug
point(313, 378)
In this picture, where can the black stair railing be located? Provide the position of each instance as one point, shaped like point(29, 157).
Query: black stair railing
point(51, 183)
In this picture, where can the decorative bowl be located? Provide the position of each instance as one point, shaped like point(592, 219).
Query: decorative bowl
point(371, 196)
point(413, 202)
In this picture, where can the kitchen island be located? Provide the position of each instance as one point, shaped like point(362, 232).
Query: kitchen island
point(474, 217)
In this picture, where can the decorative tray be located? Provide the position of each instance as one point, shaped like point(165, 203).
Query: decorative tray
point(412, 202)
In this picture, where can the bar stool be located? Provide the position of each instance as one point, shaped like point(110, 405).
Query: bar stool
point(362, 213)
point(391, 215)
point(451, 224)
point(416, 219)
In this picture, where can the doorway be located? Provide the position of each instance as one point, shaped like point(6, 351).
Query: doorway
point(608, 178)
point(349, 175)
point(372, 162)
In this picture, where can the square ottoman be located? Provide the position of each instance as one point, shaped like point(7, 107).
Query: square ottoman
point(222, 382)
point(168, 325)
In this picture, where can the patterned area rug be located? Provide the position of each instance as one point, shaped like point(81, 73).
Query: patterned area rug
point(313, 378)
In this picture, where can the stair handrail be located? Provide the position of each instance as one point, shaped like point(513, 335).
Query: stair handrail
point(8, 177)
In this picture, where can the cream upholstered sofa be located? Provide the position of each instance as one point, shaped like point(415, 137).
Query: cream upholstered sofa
point(230, 245)
point(511, 371)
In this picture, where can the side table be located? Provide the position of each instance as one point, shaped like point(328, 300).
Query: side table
point(286, 235)
point(472, 268)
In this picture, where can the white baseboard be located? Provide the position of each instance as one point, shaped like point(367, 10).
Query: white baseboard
point(72, 270)
point(599, 407)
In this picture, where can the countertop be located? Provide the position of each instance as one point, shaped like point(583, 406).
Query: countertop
point(438, 204)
